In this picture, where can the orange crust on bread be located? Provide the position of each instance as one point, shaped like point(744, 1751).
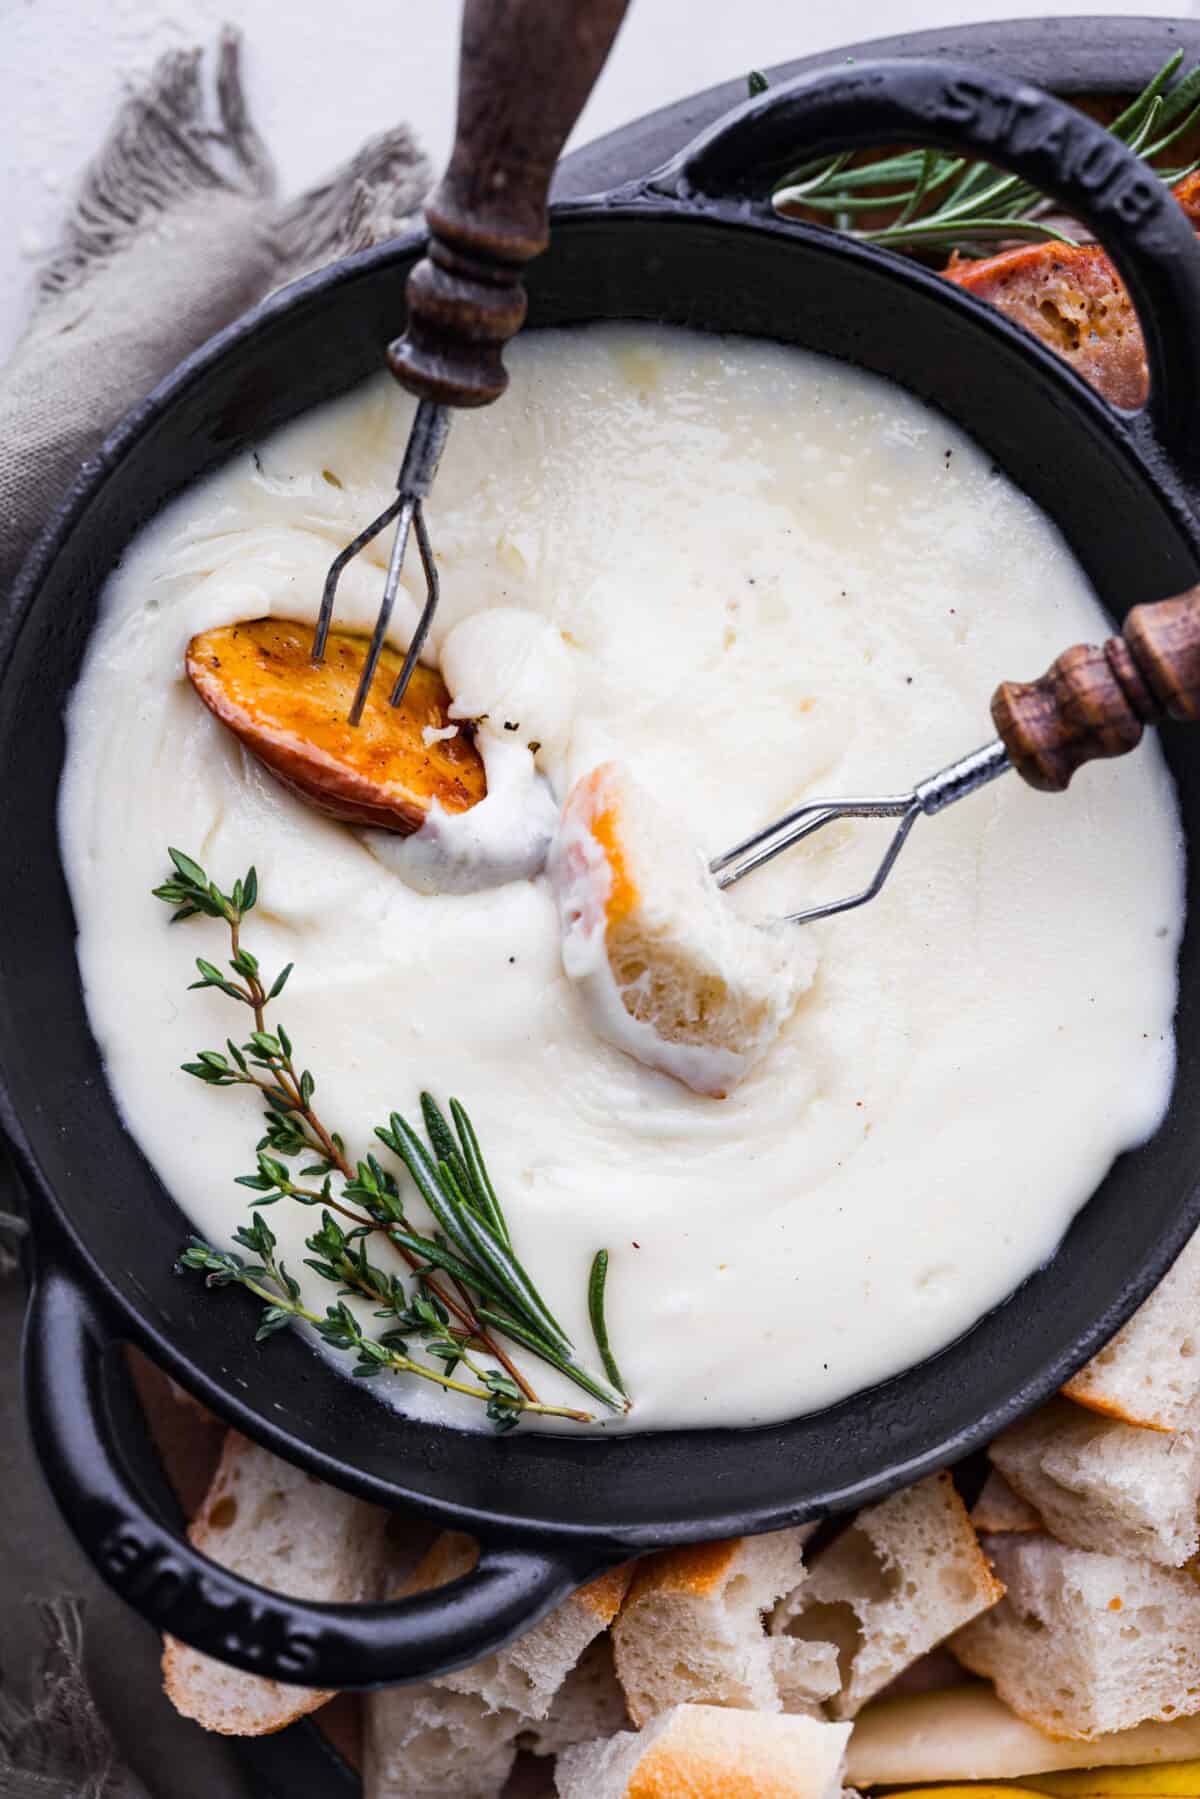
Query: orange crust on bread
point(1071, 298)
point(1080, 1393)
point(696, 1569)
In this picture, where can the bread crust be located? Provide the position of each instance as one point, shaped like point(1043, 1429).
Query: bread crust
point(237, 1526)
point(1071, 297)
point(710, 1752)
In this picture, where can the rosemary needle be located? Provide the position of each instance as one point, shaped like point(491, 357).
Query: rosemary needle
point(597, 1282)
point(940, 201)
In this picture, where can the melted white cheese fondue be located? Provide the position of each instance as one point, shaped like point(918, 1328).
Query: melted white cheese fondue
point(750, 574)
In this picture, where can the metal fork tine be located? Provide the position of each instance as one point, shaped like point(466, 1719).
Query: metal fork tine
point(335, 572)
point(422, 453)
point(952, 783)
point(794, 827)
point(880, 876)
point(432, 593)
point(400, 545)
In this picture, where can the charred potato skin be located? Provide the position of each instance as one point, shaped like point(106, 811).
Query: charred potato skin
point(260, 681)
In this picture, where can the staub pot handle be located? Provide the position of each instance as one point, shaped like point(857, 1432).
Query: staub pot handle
point(526, 69)
point(1096, 699)
point(147, 1558)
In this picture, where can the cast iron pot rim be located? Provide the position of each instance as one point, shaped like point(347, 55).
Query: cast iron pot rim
point(1131, 430)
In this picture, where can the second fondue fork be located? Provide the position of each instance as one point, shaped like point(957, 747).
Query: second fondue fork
point(1094, 701)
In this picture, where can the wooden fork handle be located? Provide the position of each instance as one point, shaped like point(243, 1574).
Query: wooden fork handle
point(526, 69)
point(1097, 698)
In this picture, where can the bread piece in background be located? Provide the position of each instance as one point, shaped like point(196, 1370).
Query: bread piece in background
point(1072, 298)
point(286, 1530)
point(1084, 1644)
point(968, 1733)
point(897, 1581)
point(999, 1509)
point(806, 1674)
point(589, 1703)
point(425, 1742)
point(710, 1752)
point(525, 1675)
point(691, 1630)
point(1100, 1484)
point(1149, 1373)
point(457, 1736)
point(188, 1437)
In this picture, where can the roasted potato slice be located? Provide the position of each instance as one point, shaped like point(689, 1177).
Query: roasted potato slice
point(260, 681)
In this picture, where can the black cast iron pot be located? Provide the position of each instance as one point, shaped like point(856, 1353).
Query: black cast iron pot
point(699, 245)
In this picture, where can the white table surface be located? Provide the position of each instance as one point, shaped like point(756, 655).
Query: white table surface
point(322, 77)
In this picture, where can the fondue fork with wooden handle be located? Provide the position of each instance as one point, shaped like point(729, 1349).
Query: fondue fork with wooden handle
point(1093, 701)
point(526, 68)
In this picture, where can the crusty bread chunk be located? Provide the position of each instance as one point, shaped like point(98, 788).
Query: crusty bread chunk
point(457, 1736)
point(691, 1630)
point(526, 1674)
point(999, 1509)
point(286, 1530)
point(898, 1580)
point(590, 1703)
point(967, 1733)
point(668, 971)
point(425, 1742)
point(1084, 1644)
point(1071, 297)
point(1149, 1373)
point(1100, 1484)
point(708, 1752)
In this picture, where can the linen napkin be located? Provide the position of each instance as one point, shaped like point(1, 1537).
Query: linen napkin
point(177, 228)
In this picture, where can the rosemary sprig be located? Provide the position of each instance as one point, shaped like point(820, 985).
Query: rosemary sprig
point(471, 1288)
point(596, 1285)
point(939, 201)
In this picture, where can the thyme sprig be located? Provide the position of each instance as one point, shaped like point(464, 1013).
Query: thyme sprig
point(269, 1280)
point(470, 1287)
point(939, 201)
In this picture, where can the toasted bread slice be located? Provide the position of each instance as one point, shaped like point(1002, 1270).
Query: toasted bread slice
point(1149, 1373)
point(691, 1630)
point(967, 1733)
point(1100, 1484)
point(1071, 297)
point(288, 1531)
point(897, 1581)
point(260, 680)
point(1086, 1644)
point(707, 1752)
